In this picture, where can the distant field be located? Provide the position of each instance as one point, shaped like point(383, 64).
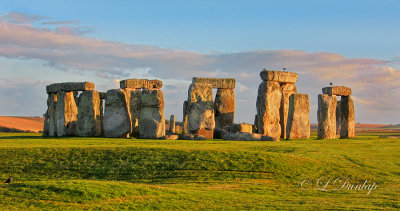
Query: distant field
point(101, 173)
point(21, 124)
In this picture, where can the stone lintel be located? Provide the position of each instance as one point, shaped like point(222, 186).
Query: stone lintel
point(69, 86)
point(278, 76)
point(337, 90)
point(140, 84)
point(222, 83)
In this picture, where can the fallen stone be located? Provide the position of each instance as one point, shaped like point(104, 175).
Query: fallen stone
point(117, 118)
point(347, 118)
point(171, 137)
point(224, 107)
point(219, 133)
point(151, 116)
point(327, 116)
point(269, 138)
point(140, 84)
point(278, 76)
point(337, 90)
point(70, 86)
point(89, 118)
point(240, 136)
point(192, 137)
point(287, 91)
point(224, 83)
point(67, 114)
point(243, 127)
point(268, 106)
point(298, 124)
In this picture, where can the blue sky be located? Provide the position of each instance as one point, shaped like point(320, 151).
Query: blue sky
point(352, 43)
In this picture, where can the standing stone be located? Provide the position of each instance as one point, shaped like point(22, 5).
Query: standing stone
point(338, 119)
point(287, 91)
point(268, 104)
point(224, 105)
point(134, 108)
point(117, 119)
point(327, 116)
point(89, 116)
point(67, 114)
point(185, 117)
point(201, 110)
point(172, 125)
point(255, 126)
point(298, 123)
point(47, 118)
point(151, 116)
point(347, 117)
point(53, 114)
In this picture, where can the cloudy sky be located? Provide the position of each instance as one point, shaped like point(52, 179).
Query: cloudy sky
point(350, 43)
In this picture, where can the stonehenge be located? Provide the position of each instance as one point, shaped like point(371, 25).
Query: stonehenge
point(281, 112)
point(136, 109)
point(201, 114)
point(335, 118)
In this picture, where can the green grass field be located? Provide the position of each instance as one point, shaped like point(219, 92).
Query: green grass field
point(101, 173)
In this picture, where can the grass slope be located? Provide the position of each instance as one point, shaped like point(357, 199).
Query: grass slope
point(101, 173)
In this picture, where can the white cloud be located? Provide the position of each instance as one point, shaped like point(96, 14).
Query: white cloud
point(372, 80)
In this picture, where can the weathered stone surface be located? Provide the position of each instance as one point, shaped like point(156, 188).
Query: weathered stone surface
point(241, 136)
point(117, 118)
point(327, 116)
point(185, 117)
point(151, 116)
point(89, 118)
point(140, 84)
point(172, 124)
point(268, 104)
point(53, 114)
point(278, 76)
point(46, 116)
point(67, 114)
point(337, 90)
point(134, 108)
point(102, 95)
point(224, 107)
point(152, 98)
point(224, 83)
point(201, 110)
point(347, 118)
point(338, 119)
point(298, 124)
point(243, 127)
point(255, 126)
point(70, 86)
point(287, 91)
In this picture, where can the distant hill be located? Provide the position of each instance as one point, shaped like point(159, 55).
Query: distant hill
point(21, 124)
point(369, 127)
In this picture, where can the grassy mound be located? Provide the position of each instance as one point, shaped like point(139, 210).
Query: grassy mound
point(87, 173)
